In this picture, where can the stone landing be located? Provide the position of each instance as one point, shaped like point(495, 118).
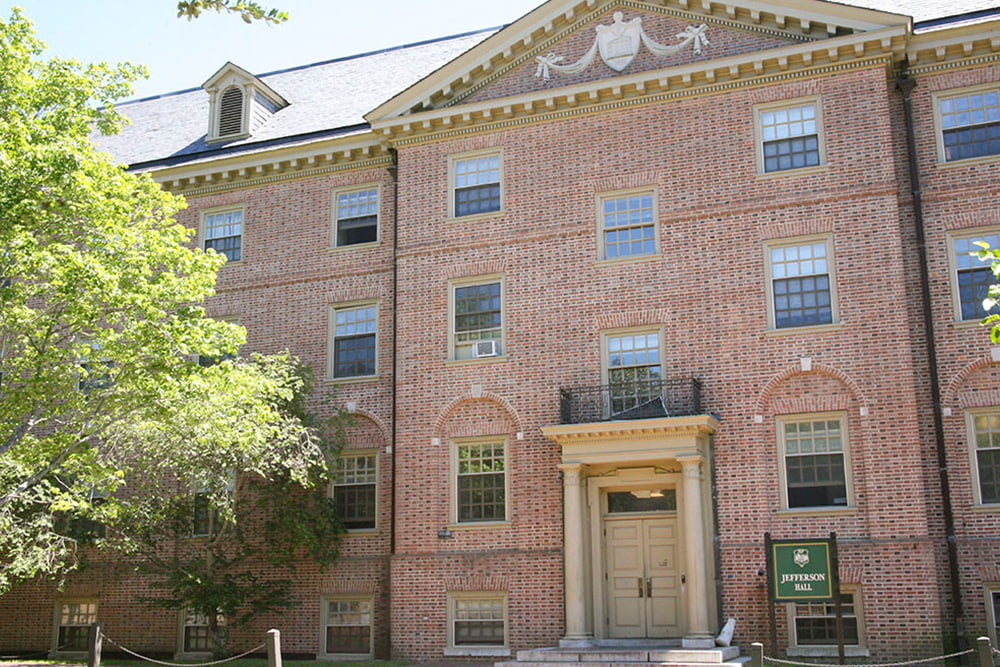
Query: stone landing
point(628, 654)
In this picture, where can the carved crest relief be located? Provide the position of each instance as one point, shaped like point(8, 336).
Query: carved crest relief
point(618, 45)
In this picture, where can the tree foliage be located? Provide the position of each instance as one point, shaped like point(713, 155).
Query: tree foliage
point(247, 10)
point(102, 398)
point(992, 319)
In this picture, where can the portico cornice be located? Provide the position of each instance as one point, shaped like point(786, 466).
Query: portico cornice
point(632, 430)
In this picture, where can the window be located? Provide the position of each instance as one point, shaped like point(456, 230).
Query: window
point(970, 124)
point(73, 621)
point(801, 283)
point(477, 620)
point(628, 225)
point(206, 520)
point(815, 468)
point(477, 325)
point(815, 623)
point(790, 136)
point(973, 276)
point(480, 481)
point(634, 375)
point(195, 634)
point(356, 216)
point(993, 611)
point(984, 432)
point(354, 341)
point(355, 486)
point(476, 184)
point(223, 233)
point(347, 627)
point(95, 369)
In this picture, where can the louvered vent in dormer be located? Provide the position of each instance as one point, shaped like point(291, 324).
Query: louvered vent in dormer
point(231, 112)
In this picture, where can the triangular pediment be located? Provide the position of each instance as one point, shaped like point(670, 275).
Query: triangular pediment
point(568, 49)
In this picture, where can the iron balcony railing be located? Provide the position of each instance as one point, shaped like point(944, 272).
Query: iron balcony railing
point(638, 399)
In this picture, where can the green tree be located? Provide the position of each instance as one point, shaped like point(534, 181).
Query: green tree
point(101, 329)
point(992, 319)
point(247, 10)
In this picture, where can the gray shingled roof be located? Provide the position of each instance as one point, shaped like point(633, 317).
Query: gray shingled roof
point(332, 97)
point(328, 96)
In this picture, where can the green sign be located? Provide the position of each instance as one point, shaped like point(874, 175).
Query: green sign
point(801, 570)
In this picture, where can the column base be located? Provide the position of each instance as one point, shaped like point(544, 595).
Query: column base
point(577, 642)
point(698, 641)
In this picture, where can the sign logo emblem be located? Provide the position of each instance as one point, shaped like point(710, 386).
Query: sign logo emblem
point(801, 557)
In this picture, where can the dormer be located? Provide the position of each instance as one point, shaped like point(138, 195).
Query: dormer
point(239, 103)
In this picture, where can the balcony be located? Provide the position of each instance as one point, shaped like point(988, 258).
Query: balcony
point(639, 399)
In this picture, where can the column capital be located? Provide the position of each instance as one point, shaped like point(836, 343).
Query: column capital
point(572, 473)
point(691, 464)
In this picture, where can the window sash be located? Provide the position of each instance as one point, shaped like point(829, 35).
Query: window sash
point(224, 234)
point(986, 434)
point(479, 622)
point(790, 138)
point(816, 622)
point(354, 344)
point(800, 285)
point(973, 276)
point(815, 463)
point(348, 627)
point(477, 185)
point(75, 619)
point(478, 316)
point(970, 125)
point(357, 217)
point(629, 226)
point(481, 483)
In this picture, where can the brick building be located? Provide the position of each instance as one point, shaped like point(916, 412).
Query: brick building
point(611, 293)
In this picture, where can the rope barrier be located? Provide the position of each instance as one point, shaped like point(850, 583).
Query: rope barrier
point(180, 664)
point(922, 661)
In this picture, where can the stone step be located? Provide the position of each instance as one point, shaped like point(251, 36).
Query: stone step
point(735, 662)
point(594, 657)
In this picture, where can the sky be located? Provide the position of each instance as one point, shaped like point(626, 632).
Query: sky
point(182, 54)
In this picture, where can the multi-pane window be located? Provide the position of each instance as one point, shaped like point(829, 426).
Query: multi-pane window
point(478, 320)
point(354, 490)
point(628, 225)
point(970, 124)
point(801, 284)
point(74, 621)
point(206, 520)
point(973, 276)
point(815, 465)
point(354, 338)
point(224, 233)
point(347, 627)
point(790, 137)
point(197, 637)
point(356, 216)
point(816, 622)
point(478, 621)
point(481, 484)
point(986, 448)
point(477, 184)
point(993, 607)
point(634, 375)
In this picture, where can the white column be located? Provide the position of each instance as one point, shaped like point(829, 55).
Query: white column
point(696, 563)
point(573, 546)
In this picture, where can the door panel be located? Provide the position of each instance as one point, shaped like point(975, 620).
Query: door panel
point(643, 578)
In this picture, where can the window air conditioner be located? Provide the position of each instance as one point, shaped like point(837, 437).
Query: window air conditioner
point(485, 348)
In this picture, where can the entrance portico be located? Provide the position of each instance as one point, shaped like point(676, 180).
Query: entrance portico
point(637, 529)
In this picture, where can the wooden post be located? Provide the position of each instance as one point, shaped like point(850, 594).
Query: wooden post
point(985, 652)
point(94, 645)
point(756, 655)
point(273, 648)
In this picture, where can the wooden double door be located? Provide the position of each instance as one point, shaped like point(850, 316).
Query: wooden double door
point(643, 578)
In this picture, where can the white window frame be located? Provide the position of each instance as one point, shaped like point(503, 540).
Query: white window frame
point(222, 210)
point(992, 590)
point(602, 230)
point(970, 428)
point(453, 162)
point(455, 649)
point(784, 105)
point(455, 445)
point(819, 650)
point(324, 623)
point(606, 368)
point(801, 241)
point(845, 452)
point(57, 622)
point(182, 625)
point(331, 365)
point(938, 98)
point(453, 345)
point(335, 214)
point(215, 525)
point(336, 482)
point(970, 235)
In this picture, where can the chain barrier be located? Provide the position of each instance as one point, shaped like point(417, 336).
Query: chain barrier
point(180, 664)
point(24, 657)
point(922, 661)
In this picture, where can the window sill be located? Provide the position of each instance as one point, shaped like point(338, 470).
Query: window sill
point(985, 508)
point(808, 329)
point(486, 651)
point(801, 171)
point(827, 651)
point(817, 511)
point(476, 216)
point(238, 262)
point(631, 259)
point(354, 246)
point(352, 380)
point(361, 532)
point(478, 525)
point(969, 161)
point(480, 360)
point(971, 324)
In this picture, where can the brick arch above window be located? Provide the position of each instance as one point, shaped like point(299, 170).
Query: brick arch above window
point(972, 386)
point(472, 415)
point(769, 395)
point(366, 431)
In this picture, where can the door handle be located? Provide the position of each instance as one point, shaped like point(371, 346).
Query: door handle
point(649, 587)
point(641, 588)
